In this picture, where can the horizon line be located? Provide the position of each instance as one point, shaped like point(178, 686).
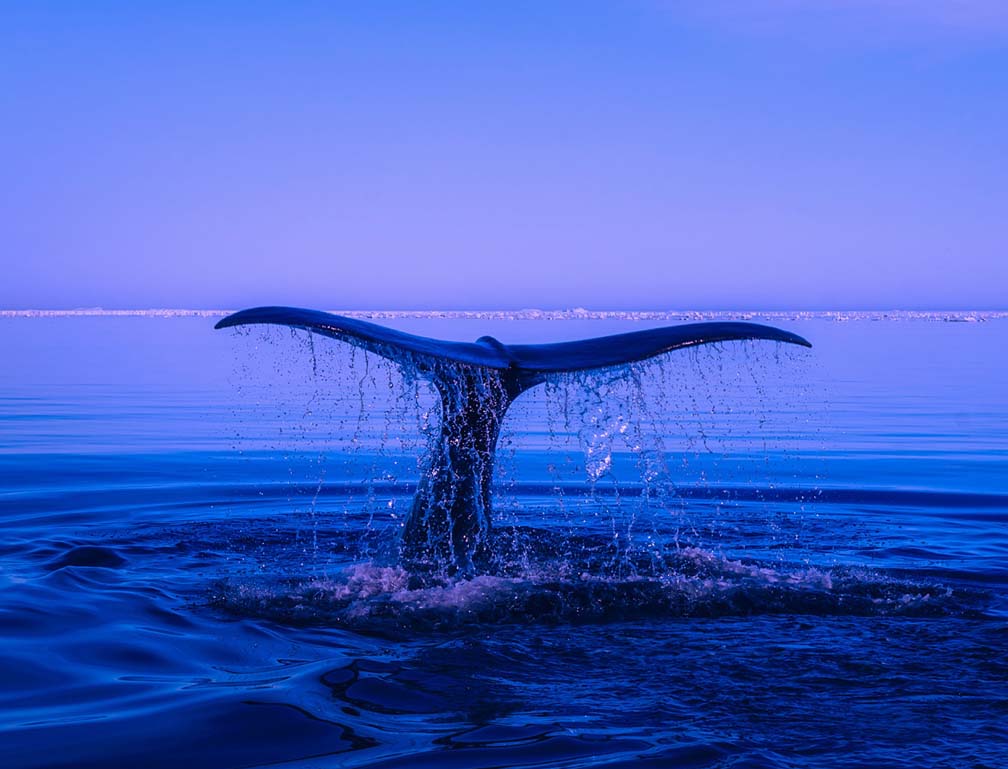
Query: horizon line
point(529, 313)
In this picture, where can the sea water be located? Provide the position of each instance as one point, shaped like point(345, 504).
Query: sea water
point(745, 555)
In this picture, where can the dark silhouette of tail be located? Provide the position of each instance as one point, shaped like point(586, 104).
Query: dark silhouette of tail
point(449, 525)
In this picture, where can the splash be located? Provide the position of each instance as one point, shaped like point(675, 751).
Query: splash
point(450, 524)
point(619, 494)
point(689, 583)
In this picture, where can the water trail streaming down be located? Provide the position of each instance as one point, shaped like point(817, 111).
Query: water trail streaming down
point(568, 536)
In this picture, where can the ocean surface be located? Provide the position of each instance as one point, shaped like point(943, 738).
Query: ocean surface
point(740, 555)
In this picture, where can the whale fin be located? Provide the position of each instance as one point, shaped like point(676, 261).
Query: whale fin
point(386, 342)
point(620, 349)
point(601, 352)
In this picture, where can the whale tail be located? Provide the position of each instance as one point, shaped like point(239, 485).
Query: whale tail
point(487, 352)
point(450, 522)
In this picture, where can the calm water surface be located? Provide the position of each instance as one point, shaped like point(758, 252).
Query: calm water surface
point(741, 556)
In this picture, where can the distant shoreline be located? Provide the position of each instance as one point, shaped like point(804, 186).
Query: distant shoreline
point(960, 316)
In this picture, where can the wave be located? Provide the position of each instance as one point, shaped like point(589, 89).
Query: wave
point(140, 493)
point(574, 589)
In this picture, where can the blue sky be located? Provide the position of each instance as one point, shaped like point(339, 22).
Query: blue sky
point(612, 155)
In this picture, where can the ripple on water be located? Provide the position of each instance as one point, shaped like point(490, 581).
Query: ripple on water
point(89, 555)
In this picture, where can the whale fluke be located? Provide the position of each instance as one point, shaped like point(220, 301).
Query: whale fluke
point(449, 525)
point(586, 354)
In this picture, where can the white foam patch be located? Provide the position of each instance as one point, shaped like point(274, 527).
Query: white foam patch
point(696, 582)
point(809, 577)
point(361, 583)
